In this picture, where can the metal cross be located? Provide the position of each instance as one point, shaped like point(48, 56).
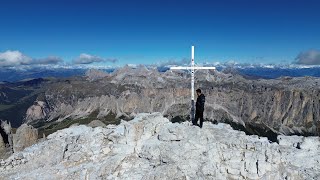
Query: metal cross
point(192, 68)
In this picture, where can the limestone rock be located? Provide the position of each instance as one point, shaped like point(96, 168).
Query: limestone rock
point(94, 74)
point(96, 123)
point(6, 127)
point(37, 111)
point(25, 136)
point(2, 144)
point(5, 140)
point(151, 147)
point(75, 124)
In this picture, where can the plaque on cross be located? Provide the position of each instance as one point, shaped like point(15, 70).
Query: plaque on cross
point(192, 69)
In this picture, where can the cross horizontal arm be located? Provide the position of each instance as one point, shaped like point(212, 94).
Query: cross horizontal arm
point(187, 68)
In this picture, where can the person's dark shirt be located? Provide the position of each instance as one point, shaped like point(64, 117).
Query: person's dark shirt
point(200, 103)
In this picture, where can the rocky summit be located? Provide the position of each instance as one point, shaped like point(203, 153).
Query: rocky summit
point(152, 147)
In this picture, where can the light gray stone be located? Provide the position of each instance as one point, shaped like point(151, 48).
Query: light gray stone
point(25, 136)
point(151, 147)
point(96, 123)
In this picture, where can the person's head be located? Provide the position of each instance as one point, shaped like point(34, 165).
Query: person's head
point(198, 92)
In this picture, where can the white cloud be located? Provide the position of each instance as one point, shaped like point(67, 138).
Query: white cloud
point(89, 59)
point(310, 57)
point(13, 58)
point(48, 60)
point(16, 58)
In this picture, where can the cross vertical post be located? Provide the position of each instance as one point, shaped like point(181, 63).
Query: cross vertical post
point(192, 84)
point(192, 69)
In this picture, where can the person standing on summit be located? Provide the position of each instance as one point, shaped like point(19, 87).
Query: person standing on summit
point(199, 108)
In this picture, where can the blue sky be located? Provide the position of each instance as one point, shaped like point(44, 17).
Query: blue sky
point(253, 31)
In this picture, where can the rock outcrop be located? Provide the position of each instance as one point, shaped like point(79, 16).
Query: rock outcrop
point(94, 74)
point(37, 111)
point(96, 123)
point(5, 139)
point(5, 150)
point(2, 144)
point(151, 147)
point(25, 136)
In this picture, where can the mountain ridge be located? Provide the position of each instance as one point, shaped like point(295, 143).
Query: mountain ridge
point(283, 106)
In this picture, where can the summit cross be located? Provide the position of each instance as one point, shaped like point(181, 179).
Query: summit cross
point(192, 69)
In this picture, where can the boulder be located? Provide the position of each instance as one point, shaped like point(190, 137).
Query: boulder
point(25, 136)
point(96, 123)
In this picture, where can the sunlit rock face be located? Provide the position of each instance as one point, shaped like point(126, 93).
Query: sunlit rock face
point(93, 74)
point(37, 111)
point(25, 136)
point(280, 106)
point(151, 147)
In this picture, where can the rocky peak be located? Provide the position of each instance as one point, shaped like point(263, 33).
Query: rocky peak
point(94, 74)
point(37, 111)
point(151, 147)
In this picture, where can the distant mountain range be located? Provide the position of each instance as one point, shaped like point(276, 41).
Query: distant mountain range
point(266, 107)
point(13, 75)
point(272, 73)
point(253, 71)
point(265, 71)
